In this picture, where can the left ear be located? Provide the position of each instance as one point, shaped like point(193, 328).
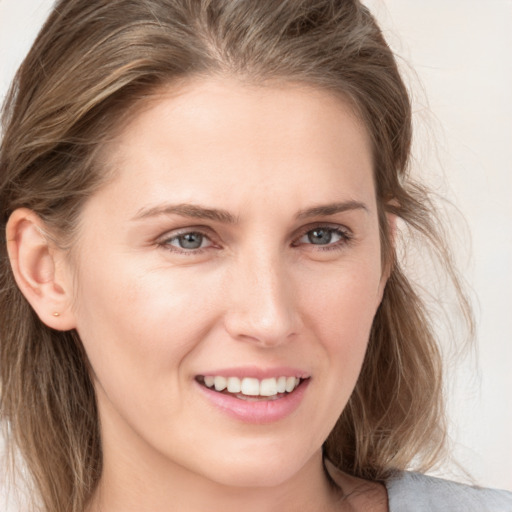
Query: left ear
point(40, 270)
point(389, 262)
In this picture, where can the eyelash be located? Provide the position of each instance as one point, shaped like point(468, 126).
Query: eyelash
point(166, 242)
point(345, 235)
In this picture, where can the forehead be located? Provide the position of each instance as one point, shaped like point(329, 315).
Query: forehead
point(218, 136)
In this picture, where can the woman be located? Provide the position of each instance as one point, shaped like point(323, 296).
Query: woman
point(202, 306)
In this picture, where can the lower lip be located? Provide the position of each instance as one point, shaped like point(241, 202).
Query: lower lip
point(263, 411)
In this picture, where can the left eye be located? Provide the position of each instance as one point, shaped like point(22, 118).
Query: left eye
point(322, 236)
point(189, 241)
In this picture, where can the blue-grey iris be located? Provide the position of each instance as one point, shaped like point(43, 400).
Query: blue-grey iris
point(190, 240)
point(320, 236)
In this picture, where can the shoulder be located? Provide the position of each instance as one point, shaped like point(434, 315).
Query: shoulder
point(414, 492)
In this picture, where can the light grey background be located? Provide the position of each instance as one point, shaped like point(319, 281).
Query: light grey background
point(460, 51)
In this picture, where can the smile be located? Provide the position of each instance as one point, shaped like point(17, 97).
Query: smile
point(251, 388)
point(254, 395)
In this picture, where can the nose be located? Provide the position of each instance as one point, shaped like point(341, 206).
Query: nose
point(262, 306)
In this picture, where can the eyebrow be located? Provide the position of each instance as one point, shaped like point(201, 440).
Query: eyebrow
point(225, 217)
point(188, 210)
point(331, 209)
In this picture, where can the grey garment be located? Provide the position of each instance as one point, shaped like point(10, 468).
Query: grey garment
point(413, 492)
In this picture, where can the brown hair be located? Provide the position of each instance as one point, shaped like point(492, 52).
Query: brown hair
point(92, 63)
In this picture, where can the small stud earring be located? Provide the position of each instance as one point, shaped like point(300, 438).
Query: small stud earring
point(56, 314)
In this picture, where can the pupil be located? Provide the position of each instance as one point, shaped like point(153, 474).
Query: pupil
point(320, 236)
point(191, 241)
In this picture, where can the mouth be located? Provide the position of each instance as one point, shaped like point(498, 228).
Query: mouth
point(251, 389)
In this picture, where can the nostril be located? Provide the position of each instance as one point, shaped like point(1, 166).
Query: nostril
point(264, 330)
point(262, 308)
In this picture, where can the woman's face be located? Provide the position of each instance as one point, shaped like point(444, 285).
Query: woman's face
point(238, 244)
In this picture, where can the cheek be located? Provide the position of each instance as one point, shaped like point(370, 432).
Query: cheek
point(343, 303)
point(341, 309)
point(139, 324)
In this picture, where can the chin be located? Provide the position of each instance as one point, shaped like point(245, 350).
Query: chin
point(256, 476)
point(263, 469)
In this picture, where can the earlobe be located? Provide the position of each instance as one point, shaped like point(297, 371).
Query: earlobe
point(34, 261)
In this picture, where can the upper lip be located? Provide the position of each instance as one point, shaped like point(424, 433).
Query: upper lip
point(257, 372)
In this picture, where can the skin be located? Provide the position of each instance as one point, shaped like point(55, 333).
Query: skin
point(153, 315)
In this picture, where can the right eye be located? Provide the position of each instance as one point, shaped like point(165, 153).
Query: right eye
point(187, 242)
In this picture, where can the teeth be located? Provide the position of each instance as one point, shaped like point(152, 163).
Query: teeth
point(220, 383)
point(290, 384)
point(250, 386)
point(234, 385)
point(268, 387)
point(281, 384)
